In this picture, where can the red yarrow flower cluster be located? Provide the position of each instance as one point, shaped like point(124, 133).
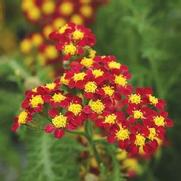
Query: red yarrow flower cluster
point(97, 88)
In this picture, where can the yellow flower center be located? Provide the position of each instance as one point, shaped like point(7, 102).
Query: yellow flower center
point(137, 114)
point(34, 13)
point(77, 19)
point(77, 35)
point(152, 133)
point(69, 49)
point(110, 119)
point(135, 98)
point(58, 22)
point(75, 108)
point(63, 80)
point(58, 97)
point(50, 86)
point(63, 28)
point(47, 30)
point(97, 73)
point(66, 8)
point(22, 117)
point(140, 140)
point(79, 76)
point(114, 65)
point(159, 120)
point(87, 62)
point(92, 53)
point(37, 39)
point(48, 7)
point(90, 87)
point(108, 90)
point(36, 100)
point(153, 100)
point(26, 46)
point(96, 106)
point(122, 134)
point(51, 52)
point(60, 121)
point(120, 80)
point(86, 10)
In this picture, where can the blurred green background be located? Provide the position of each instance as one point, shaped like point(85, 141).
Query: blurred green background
point(143, 34)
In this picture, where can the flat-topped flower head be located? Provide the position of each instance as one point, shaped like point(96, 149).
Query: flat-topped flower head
point(36, 101)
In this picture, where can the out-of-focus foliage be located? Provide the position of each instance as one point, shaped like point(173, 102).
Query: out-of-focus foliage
point(146, 36)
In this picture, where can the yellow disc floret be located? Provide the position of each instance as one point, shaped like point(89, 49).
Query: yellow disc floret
point(122, 134)
point(37, 39)
point(140, 140)
point(51, 52)
point(97, 73)
point(58, 97)
point(90, 87)
point(77, 19)
point(77, 35)
point(86, 10)
point(137, 114)
point(63, 80)
point(34, 13)
point(135, 99)
point(120, 80)
point(159, 121)
point(114, 65)
point(69, 49)
point(50, 86)
point(48, 7)
point(22, 117)
point(26, 46)
point(58, 22)
point(108, 90)
point(79, 76)
point(153, 100)
point(87, 62)
point(97, 106)
point(60, 121)
point(110, 119)
point(36, 100)
point(152, 133)
point(75, 108)
point(66, 8)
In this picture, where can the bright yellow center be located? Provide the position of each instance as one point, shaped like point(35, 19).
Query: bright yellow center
point(37, 39)
point(66, 8)
point(77, 19)
point(58, 97)
point(27, 5)
point(90, 87)
point(140, 140)
point(77, 35)
point(87, 62)
point(22, 117)
point(110, 119)
point(47, 30)
point(97, 73)
point(69, 49)
point(79, 76)
point(34, 13)
point(108, 90)
point(120, 80)
point(86, 10)
point(152, 133)
point(137, 114)
point(36, 100)
point(50, 86)
point(25, 46)
point(58, 22)
point(48, 7)
point(63, 80)
point(135, 98)
point(75, 108)
point(153, 100)
point(96, 106)
point(60, 121)
point(114, 65)
point(51, 52)
point(92, 53)
point(63, 28)
point(122, 134)
point(159, 120)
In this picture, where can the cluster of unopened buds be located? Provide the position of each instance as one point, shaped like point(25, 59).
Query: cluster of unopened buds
point(49, 15)
point(96, 89)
